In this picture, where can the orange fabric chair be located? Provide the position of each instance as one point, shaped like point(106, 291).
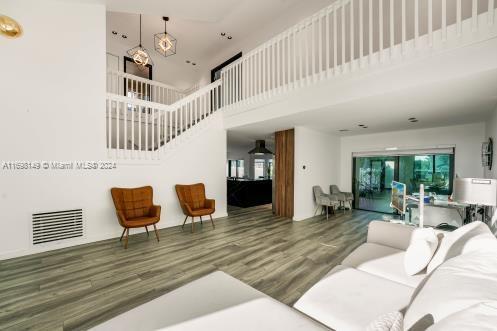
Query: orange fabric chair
point(135, 209)
point(194, 204)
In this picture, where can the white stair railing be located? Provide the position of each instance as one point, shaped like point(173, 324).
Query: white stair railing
point(138, 129)
point(140, 88)
point(350, 35)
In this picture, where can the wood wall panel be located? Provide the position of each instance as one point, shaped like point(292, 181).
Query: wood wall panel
point(284, 172)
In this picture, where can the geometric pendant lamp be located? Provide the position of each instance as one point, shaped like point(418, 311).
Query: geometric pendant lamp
point(165, 43)
point(139, 54)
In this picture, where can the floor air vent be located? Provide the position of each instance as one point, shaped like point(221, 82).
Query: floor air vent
point(57, 225)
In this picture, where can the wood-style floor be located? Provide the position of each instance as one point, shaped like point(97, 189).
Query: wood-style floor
point(78, 287)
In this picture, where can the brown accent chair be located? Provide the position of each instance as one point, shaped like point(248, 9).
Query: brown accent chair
point(135, 209)
point(194, 204)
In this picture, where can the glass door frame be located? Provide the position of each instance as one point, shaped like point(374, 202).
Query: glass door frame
point(396, 174)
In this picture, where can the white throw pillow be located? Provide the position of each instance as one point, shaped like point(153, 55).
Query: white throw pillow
point(456, 285)
point(468, 238)
point(480, 317)
point(424, 243)
point(387, 322)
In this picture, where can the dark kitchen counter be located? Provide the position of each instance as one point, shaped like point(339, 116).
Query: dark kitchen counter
point(248, 193)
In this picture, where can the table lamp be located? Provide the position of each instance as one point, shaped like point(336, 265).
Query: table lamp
point(475, 192)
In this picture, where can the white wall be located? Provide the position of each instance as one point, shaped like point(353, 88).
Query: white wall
point(53, 109)
point(491, 132)
point(467, 140)
point(319, 153)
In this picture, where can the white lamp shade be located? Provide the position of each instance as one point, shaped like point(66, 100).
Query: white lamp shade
point(475, 191)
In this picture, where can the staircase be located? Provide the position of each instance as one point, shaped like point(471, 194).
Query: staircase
point(346, 37)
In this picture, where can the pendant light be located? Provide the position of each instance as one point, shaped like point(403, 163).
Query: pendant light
point(139, 53)
point(9, 27)
point(165, 43)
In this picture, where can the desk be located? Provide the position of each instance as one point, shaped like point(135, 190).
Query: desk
point(441, 211)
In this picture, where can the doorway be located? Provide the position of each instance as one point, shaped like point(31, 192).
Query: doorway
point(373, 176)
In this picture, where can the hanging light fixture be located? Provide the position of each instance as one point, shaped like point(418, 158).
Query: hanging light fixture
point(139, 53)
point(165, 43)
point(9, 27)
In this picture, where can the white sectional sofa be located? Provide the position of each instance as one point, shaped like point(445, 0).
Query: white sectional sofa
point(457, 291)
point(372, 280)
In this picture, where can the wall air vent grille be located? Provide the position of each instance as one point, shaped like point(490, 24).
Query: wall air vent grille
point(57, 225)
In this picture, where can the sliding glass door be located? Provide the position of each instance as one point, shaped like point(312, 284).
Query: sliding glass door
point(373, 182)
point(373, 175)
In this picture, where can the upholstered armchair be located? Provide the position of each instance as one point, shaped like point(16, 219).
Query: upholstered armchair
point(324, 200)
point(343, 197)
point(194, 203)
point(135, 209)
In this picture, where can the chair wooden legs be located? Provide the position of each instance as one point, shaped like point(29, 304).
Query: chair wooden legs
point(193, 223)
point(148, 234)
point(120, 239)
point(126, 239)
point(156, 233)
point(213, 226)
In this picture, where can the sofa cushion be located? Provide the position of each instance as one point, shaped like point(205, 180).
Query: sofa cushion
point(480, 317)
point(382, 261)
point(424, 243)
point(349, 299)
point(468, 238)
point(457, 284)
point(390, 234)
point(393, 321)
point(214, 302)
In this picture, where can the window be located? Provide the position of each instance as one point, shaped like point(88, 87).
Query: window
point(236, 168)
point(259, 168)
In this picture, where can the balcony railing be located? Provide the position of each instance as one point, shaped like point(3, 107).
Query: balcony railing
point(350, 35)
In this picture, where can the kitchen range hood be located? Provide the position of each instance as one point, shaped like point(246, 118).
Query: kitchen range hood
point(260, 148)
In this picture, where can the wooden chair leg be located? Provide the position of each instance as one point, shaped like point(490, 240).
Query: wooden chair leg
point(148, 234)
point(184, 222)
point(126, 239)
point(122, 235)
point(156, 233)
point(193, 224)
point(213, 226)
point(201, 223)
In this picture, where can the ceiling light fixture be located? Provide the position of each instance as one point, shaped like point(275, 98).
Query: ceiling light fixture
point(114, 32)
point(9, 27)
point(165, 43)
point(139, 53)
point(230, 37)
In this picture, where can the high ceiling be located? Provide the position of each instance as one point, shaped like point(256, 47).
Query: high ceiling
point(197, 24)
point(467, 100)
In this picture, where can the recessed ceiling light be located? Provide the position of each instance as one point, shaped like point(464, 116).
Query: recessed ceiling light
point(344, 130)
point(114, 32)
point(413, 121)
point(230, 37)
point(364, 127)
point(187, 61)
point(223, 34)
point(411, 118)
point(361, 125)
point(194, 64)
point(124, 36)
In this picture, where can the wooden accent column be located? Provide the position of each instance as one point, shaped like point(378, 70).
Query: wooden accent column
point(284, 172)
